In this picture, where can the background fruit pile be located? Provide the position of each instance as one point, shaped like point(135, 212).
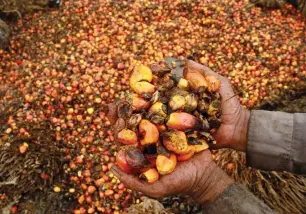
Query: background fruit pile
point(66, 65)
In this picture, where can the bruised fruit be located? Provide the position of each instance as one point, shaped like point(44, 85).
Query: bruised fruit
point(177, 102)
point(148, 132)
point(134, 121)
point(127, 137)
point(144, 88)
point(165, 165)
point(150, 175)
point(175, 141)
point(182, 121)
point(141, 73)
point(189, 153)
point(136, 159)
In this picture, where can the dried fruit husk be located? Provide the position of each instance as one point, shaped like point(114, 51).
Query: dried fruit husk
point(175, 141)
point(134, 121)
point(203, 106)
point(157, 119)
point(119, 125)
point(159, 70)
point(166, 85)
point(214, 123)
point(124, 110)
point(112, 113)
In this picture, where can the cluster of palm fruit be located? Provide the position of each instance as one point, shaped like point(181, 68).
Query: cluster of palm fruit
point(169, 114)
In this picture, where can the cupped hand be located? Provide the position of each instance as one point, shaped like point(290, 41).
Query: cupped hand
point(199, 177)
point(234, 118)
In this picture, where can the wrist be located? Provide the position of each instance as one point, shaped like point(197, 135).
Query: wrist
point(212, 182)
point(240, 138)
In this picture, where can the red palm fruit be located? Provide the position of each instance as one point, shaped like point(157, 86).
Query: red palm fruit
point(182, 121)
point(127, 136)
point(148, 132)
point(190, 152)
point(150, 175)
point(166, 165)
point(175, 141)
point(122, 162)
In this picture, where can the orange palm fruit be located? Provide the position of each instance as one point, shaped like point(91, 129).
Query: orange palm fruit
point(141, 73)
point(182, 121)
point(148, 132)
point(166, 165)
point(150, 175)
point(195, 78)
point(143, 88)
point(138, 102)
point(158, 108)
point(185, 156)
point(201, 147)
point(175, 141)
point(127, 136)
point(213, 83)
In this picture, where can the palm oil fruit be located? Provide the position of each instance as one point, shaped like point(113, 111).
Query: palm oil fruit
point(165, 165)
point(148, 132)
point(151, 175)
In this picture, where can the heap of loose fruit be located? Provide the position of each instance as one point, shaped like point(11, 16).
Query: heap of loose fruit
point(168, 116)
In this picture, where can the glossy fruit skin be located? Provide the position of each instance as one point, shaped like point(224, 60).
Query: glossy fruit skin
point(182, 121)
point(165, 165)
point(122, 162)
point(148, 132)
point(186, 156)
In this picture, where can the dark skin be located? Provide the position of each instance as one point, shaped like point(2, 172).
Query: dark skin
point(200, 177)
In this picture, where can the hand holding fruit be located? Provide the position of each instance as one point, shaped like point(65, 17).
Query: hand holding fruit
point(234, 126)
point(199, 177)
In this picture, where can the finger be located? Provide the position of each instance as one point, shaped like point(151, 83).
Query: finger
point(132, 182)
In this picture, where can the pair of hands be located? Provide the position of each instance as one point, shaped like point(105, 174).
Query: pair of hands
point(200, 177)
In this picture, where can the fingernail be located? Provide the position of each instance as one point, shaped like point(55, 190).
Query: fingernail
point(115, 171)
